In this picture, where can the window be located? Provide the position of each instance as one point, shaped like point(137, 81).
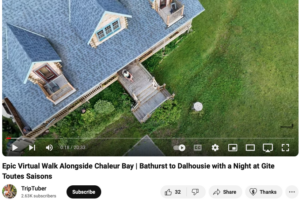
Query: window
point(46, 73)
point(116, 25)
point(108, 30)
point(101, 34)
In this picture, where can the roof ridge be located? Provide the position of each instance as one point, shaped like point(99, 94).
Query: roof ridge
point(18, 41)
point(26, 30)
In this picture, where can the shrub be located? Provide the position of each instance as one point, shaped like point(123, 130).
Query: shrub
point(63, 141)
point(168, 113)
point(88, 116)
point(103, 107)
point(9, 127)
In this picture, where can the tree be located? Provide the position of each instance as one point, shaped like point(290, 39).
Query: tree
point(104, 107)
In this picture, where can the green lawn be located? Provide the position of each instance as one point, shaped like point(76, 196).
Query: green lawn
point(241, 62)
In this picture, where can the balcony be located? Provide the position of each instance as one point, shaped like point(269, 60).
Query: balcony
point(58, 89)
point(172, 12)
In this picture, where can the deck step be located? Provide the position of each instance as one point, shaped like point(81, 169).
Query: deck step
point(166, 93)
point(145, 95)
point(148, 96)
point(150, 103)
point(144, 90)
point(138, 115)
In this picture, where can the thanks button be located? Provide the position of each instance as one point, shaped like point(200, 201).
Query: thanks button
point(258, 192)
point(79, 192)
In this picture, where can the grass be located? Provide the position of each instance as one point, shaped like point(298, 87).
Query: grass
point(241, 62)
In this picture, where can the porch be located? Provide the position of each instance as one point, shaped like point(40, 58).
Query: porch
point(58, 89)
point(146, 92)
point(172, 12)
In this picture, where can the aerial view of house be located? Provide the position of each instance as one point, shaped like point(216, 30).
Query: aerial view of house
point(54, 62)
point(63, 59)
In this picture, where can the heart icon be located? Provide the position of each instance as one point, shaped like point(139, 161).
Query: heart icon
point(253, 191)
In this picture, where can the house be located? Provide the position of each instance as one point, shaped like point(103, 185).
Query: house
point(59, 54)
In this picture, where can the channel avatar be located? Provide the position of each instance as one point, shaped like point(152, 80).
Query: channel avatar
point(9, 191)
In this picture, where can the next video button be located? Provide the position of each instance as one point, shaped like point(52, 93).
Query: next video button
point(79, 192)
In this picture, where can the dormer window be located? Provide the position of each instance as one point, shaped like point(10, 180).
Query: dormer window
point(108, 30)
point(98, 20)
point(46, 73)
point(33, 59)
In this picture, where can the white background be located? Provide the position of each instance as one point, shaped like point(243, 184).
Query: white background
point(144, 186)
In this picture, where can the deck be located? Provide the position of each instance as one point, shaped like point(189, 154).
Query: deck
point(146, 92)
point(65, 90)
point(171, 18)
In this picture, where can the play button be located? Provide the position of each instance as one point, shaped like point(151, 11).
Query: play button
point(14, 147)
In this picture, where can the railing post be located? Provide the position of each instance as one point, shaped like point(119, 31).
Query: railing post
point(168, 20)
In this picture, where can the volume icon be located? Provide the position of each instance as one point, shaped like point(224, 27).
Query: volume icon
point(49, 147)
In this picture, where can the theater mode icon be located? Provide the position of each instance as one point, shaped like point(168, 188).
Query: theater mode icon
point(250, 147)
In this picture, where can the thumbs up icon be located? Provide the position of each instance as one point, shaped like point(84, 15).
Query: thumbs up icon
point(168, 192)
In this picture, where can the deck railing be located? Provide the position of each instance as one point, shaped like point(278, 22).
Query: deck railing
point(178, 14)
point(56, 118)
point(64, 88)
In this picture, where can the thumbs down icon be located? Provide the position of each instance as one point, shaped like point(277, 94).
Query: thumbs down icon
point(195, 191)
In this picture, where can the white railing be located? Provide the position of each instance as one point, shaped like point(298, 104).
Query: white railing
point(175, 16)
point(148, 73)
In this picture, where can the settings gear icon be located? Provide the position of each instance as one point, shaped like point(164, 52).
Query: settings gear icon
point(215, 147)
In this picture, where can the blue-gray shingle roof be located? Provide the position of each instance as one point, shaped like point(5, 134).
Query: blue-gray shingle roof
point(86, 15)
point(24, 48)
point(114, 6)
point(83, 66)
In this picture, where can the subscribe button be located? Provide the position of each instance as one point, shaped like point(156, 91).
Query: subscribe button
point(83, 192)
